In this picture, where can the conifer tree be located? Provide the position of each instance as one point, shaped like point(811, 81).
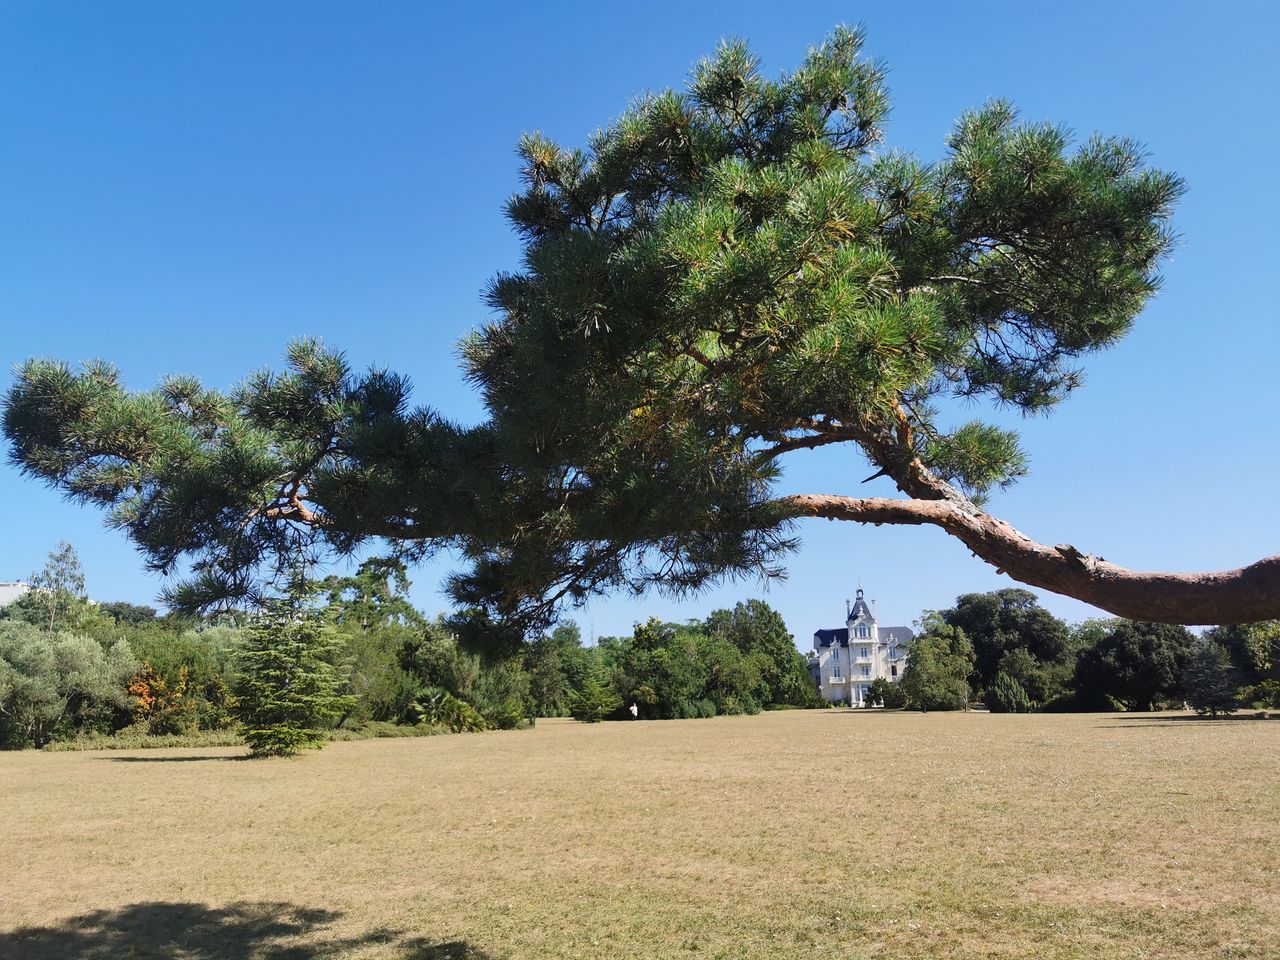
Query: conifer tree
point(1210, 681)
point(720, 278)
point(288, 687)
point(1006, 695)
point(596, 700)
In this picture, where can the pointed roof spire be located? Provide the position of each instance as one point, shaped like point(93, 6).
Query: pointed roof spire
point(860, 608)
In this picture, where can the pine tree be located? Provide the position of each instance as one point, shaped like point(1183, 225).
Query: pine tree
point(722, 276)
point(1210, 681)
point(596, 700)
point(288, 688)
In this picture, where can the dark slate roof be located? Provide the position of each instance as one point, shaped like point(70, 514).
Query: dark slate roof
point(860, 609)
point(824, 638)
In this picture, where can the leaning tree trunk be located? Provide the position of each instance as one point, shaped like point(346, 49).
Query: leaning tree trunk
point(1245, 595)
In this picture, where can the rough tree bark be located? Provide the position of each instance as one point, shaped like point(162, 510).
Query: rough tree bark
point(1244, 595)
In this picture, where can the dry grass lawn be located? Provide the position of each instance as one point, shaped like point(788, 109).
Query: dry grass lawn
point(802, 834)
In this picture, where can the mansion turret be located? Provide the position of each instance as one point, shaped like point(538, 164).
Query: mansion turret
point(844, 662)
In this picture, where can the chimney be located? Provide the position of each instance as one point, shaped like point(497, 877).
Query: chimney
point(848, 611)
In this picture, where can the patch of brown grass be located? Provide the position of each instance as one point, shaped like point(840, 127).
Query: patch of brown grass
point(795, 834)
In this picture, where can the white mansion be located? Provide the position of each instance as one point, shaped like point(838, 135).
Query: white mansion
point(844, 662)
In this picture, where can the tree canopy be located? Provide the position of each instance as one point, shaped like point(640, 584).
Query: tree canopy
point(1011, 634)
point(720, 277)
point(1139, 664)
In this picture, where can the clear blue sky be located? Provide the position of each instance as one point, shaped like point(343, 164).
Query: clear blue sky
point(184, 188)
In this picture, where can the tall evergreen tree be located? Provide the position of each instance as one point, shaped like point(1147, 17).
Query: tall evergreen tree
point(288, 686)
point(1210, 682)
point(596, 700)
point(721, 277)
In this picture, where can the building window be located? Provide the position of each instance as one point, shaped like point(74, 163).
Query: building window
point(835, 671)
point(893, 671)
point(866, 670)
point(864, 651)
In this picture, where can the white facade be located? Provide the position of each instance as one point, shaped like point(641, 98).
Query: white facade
point(845, 662)
point(11, 591)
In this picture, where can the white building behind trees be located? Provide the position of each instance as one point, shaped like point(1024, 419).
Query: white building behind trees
point(846, 661)
point(12, 590)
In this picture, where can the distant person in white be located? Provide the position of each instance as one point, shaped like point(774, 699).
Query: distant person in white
point(635, 711)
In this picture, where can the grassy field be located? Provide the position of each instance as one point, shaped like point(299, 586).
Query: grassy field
point(803, 834)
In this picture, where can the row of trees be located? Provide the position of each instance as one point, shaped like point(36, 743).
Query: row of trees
point(736, 661)
point(1006, 650)
point(353, 653)
point(347, 652)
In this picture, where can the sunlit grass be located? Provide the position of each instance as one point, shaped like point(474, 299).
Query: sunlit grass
point(799, 834)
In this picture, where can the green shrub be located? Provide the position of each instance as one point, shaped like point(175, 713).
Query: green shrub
point(188, 674)
point(382, 689)
point(501, 695)
point(506, 715)
point(883, 693)
point(1006, 695)
point(1082, 701)
point(53, 685)
point(139, 737)
point(1262, 695)
point(440, 708)
point(385, 730)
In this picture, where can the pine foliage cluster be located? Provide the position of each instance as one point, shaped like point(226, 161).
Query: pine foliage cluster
point(723, 274)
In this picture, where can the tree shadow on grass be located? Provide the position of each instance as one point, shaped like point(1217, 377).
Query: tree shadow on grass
point(204, 757)
point(1155, 720)
point(194, 931)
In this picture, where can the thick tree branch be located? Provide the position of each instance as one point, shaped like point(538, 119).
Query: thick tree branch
point(805, 442)
point(1244, 595)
